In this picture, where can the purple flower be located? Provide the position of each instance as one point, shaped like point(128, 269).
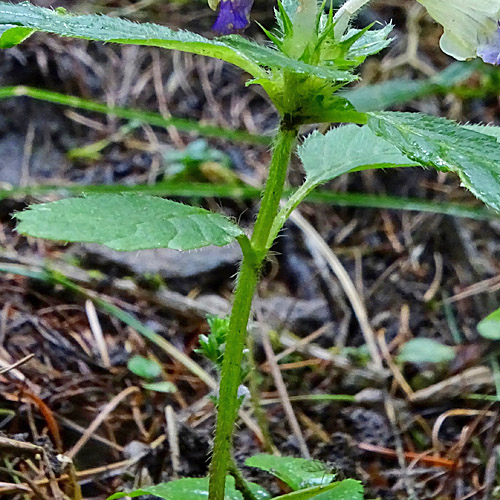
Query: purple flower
point(234, 15)
point(490, 52)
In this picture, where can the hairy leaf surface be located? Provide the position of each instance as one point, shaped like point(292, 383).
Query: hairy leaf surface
point(348, 489)
point(371, 42)
point(490, 130)
point(298, 473)
point(446, 146)
point(343, 149)
point(248, 55)
point(128, 222)
point(183, 489)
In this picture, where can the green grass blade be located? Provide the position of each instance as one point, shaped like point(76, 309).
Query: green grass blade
point(152, 118)
point(202, 190)
point(391, 93)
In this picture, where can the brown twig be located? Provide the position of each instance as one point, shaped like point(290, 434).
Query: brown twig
point(100, 419)
point(16, 364)
point(285, 400)
point(410, 455)
point(49, 418)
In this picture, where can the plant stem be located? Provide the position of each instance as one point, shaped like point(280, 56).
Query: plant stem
point(274, 189)
point(246, 284)
point(240, 482)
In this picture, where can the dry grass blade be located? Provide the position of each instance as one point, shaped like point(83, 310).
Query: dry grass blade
point(16, 364)
point(20, 447)
point(469, 380)
point(100, 419)
point(285, 400)
point(396, 372)
point(96, 329)
point(322, 252)
point(487, 285)
point(173, 440)
point(302, 342)
point(456, 412)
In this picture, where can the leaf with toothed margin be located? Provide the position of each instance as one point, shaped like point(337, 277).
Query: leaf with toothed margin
point(490, 130)
point(127, 222)
point(446, 146)
point(344, 149)
point(250, 56)
point(191, 488)
point(309, 479)
point(341, 150)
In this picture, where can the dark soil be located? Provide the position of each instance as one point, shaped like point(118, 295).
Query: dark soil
point(419, 275)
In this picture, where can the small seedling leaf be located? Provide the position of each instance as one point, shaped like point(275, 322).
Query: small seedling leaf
point(144, 367)
point(164, 386)
point(187, 489)
point(349, 489)
point(11, 35)
point(446, 146)
point(489, 327)
point(426, 351)
point(298, 473)
point(127, 222)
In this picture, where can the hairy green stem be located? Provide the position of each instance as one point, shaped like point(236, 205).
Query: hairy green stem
point(245, 288)
point(240, 482)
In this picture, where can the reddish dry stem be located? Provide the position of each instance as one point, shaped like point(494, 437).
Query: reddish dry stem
point(410, 455)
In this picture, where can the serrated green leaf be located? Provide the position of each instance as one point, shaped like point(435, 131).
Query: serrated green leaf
point(250, 56)
point(127, 222)
point(298, 473)
point(349, 489)
point(275, 59)
point(340, 150)
point(370, 42)
point(489, 327)
point(144, 367)
point(182, 489)
point(111, 29)
point(490, 130)
point(422, 350)
point(446, 146)
point(346, 148)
